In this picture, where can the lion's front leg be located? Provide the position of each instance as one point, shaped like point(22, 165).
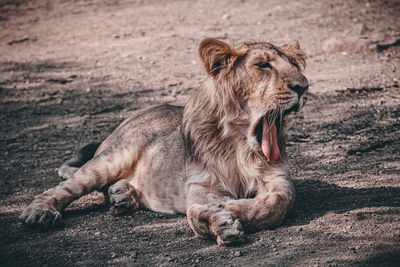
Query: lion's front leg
point(214, 221)
point(208, 218)
point(268, 209)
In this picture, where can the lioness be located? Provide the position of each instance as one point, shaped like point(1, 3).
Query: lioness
point(221, 159)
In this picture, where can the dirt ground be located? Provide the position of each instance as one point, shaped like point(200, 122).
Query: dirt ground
point(71, 71)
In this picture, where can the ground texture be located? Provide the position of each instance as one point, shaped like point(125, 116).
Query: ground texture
point(71, 71)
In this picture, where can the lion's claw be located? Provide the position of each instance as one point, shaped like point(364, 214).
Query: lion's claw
point(40, 215)
point(231, 233)
point(123, 197)
point(227, 230)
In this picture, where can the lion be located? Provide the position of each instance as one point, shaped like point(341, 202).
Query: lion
point(220, 160)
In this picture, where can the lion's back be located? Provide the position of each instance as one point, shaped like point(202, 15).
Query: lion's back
point(150, 123)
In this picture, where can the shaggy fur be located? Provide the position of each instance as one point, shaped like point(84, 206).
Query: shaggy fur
point(221, 159)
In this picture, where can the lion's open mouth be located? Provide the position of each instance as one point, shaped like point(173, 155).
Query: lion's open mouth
point(267, 131)
point(267, 135)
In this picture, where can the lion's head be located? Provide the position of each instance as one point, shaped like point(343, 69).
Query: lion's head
point(251, 89)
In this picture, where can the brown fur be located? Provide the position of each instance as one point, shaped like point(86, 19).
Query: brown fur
point(203, 160)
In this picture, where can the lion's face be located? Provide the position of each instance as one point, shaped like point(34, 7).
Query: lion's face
point(260, 81)
point(276, 87)
point(274, 80)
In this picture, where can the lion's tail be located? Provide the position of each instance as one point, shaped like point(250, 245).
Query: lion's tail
point(71, 166)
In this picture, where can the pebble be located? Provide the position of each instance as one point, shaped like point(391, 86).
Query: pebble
point(225, 16)
point(360, 29)
point(237, 253)
point(133, 255)
point(343, 44)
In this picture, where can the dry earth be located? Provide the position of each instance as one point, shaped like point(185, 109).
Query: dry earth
point(71, 71)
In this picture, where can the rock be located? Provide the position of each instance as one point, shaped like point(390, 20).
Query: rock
point(133, 255)
point(225, 16)
point(360, 29)
point(237, 253)
point(342, 43)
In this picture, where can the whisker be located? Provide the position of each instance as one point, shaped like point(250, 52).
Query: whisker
point(281, 114)
point(315, 107)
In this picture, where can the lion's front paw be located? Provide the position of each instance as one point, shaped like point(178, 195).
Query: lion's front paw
point(41, 215)
point(227, 231)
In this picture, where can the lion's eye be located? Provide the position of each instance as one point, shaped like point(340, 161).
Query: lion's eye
point(264, 65)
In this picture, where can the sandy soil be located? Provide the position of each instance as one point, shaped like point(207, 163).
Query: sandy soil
point(71, 71)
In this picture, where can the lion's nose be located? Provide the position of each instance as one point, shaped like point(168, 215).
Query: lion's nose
point(298, 84)
point(299, 89)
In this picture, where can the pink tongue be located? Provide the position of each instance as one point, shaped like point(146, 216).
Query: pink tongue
point(269, 142)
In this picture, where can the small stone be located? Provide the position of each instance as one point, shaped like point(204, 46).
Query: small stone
point(133, 255)
point(360, 29)
point(237, 253)
point(225, 16)
point(343, 44)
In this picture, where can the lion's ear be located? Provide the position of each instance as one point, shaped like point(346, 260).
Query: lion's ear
point(216, 55)
point(291, 46)
point(293, 49)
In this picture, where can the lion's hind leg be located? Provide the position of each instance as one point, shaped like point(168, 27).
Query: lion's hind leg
point(71, 166)
point(123, 197)
point(110, 166)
